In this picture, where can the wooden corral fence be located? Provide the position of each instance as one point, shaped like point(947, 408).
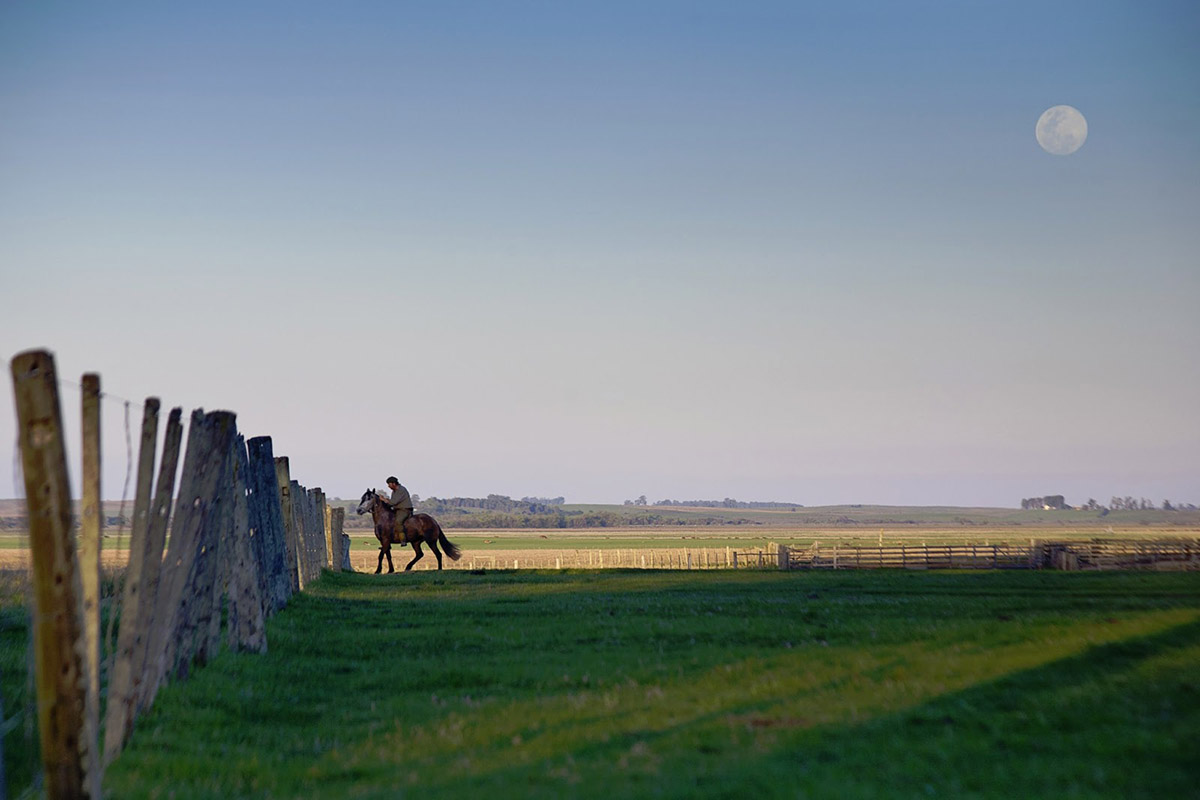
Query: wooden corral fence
point(685, 558)
point(243, 537)
point(1165, 554)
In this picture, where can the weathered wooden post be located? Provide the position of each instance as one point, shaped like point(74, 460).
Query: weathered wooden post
point(90, 529)
point(200, 623)
point(337, 521)
point(300, 504)
point(247, 630)
point(322, 512)
point(184, 602)
point(312, 529)
point(329, 543)
point(70, 757)
point(152, 557)
point(119, 721)
point(283, 481)
point(266, 520)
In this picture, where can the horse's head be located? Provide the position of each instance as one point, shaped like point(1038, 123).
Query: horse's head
point(367, 502)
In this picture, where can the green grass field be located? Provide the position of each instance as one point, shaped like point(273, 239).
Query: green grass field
point(714, 684)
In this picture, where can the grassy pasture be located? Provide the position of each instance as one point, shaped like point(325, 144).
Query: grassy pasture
point(714, 684)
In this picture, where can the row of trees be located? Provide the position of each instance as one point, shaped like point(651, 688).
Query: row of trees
point(493, 502)
point(728, 502)
point(1051, 501)
point(1127, 503)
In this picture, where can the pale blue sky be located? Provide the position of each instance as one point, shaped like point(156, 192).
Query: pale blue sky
point(794, 251)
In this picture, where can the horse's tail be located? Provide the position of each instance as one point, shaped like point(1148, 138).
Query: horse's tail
point(448, 547)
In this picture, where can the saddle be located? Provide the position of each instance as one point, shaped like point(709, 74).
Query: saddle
point(398, 536)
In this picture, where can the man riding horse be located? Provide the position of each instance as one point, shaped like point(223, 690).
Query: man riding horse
point(389, 516)
point(401, 502)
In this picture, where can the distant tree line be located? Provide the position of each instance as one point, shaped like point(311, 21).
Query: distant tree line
point(545, 501)
point(1127, 503)
point(493, 502)
point(1051, 501)
point(728, 502)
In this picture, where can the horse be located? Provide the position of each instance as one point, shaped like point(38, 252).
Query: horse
point(417, 528)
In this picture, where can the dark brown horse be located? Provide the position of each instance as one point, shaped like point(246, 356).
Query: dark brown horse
point(417, 528)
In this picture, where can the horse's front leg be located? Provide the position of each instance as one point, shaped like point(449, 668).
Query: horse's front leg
point(382, 546)
point(416, 547)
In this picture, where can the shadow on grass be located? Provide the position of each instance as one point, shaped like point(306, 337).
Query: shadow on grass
point(1118, 720)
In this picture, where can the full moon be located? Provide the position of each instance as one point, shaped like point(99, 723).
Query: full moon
point(1061, 130)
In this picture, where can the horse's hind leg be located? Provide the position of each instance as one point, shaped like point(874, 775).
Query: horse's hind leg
point(416, 547)
point(433, 546)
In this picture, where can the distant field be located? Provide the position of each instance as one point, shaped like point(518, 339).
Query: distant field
point(820, 517)
point(707, 535)
point(660, 546)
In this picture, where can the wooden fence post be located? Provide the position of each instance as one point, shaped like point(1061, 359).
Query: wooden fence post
point(266, 520)
point(119, 721)
point(341, 541)
point(322, 544)
point(201, 631)
point(298, 499)
point(152, 557)
point(191, 554)
point(247, 630)
point(91, 526)
point(329, 548)
point(300, 513)
point(69, 750)
point(303, 501)
point(283, 481)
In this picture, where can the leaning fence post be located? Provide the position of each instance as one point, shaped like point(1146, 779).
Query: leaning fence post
point(322, 544)
point(300, 517)
point(69, 749)
point(330, 550)
point(200, 601)
point(317, 498)
point(283, 481)
point(337, 522)
point(118, 722)
point(181, 601)
point(91, 526)
point(246, 627)
point(152, 557)
point(266, 518)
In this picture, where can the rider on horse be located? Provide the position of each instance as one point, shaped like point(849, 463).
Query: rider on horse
point(401, 502)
